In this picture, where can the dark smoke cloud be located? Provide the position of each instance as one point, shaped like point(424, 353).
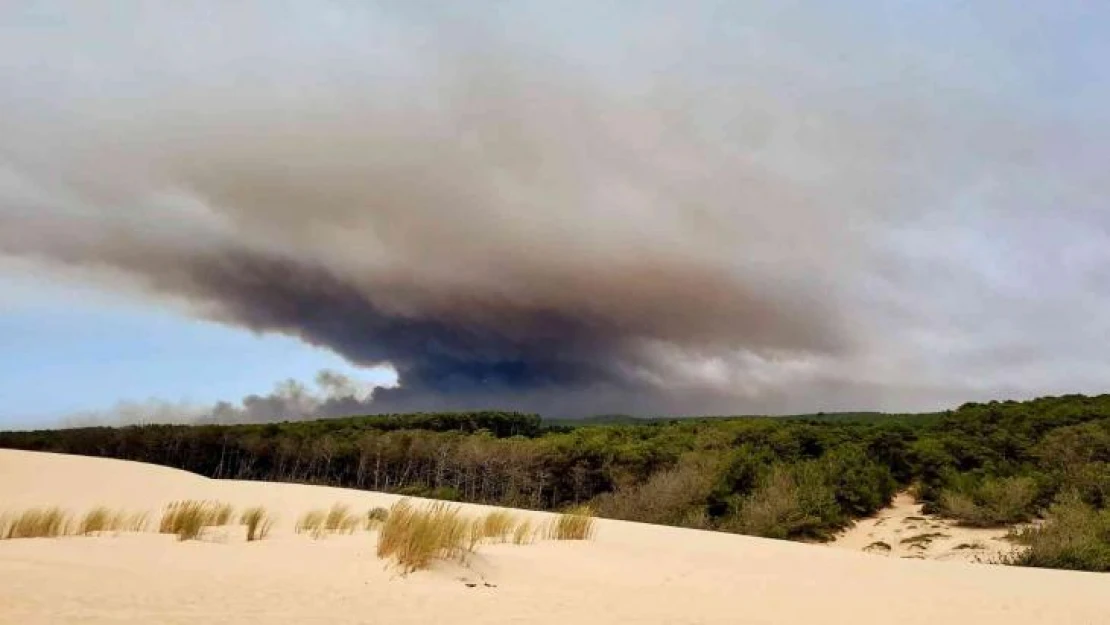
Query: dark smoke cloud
point(508, 228)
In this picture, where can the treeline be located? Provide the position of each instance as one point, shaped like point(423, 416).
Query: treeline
point(799, 478)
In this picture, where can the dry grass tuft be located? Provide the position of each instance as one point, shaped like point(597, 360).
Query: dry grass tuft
point(414, 537)
point(496, 525)
point(188, 518)
point(312, 522)
point(103, 519)
point(340, 519)
point(35, 523)
point(223, 514)
point(575, 524)
point(524, 533)
point(375, 517)
point(319, 523)
point(258, 523)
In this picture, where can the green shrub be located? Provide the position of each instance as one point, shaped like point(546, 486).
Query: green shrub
point(1074, 536)
point(990, 502)
point(861, 486)
point(674, 496)
point(791, 502)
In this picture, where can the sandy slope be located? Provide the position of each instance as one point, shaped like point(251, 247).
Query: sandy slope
point(631, 573)
point(904, 531)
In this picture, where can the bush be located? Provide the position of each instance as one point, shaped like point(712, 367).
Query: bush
point(990, 502)
point(1074, 536)
point(793, 501)
point(670, 497)
point(861, 486)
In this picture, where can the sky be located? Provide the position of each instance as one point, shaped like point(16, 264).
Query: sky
point(570, 208)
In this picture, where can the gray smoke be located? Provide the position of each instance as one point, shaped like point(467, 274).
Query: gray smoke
point(507, 228)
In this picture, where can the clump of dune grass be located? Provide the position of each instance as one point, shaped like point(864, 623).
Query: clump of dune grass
point(524, 533)
point(375, 517)
point(312, 522)
point(103, 519)
point(413, 537)
point(258, 523)
point(188, 518)
point(340, 519)
point(319, 523)
point(222, 514)
point(496, 525)
point(36, 523)
point(576, 523)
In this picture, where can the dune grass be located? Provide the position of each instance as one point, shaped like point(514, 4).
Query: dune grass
point(340, 519)
point(188, 518)
point(577, 523)
point(312, 522)
point(36, 523)
point(414, 537)
point(496, 526)
point(258, 522)
point(319, 523)
point(375, 517)
point(524, 533)
point(104, 519)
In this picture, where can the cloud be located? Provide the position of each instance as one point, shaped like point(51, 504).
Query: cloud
point(508, 226)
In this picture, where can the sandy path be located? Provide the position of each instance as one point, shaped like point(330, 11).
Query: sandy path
point(631, 573)
point(902, 530)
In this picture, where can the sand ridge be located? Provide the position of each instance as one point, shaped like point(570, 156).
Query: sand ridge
point(630, 573)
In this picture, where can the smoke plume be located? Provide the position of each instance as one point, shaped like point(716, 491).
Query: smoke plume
point(505, 228)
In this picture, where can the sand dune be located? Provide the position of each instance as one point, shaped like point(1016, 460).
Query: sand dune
point(631, 573)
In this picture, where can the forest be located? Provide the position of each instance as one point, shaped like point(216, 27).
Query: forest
point(801, 478)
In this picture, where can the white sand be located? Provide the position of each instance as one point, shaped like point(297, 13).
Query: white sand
point(631, 573)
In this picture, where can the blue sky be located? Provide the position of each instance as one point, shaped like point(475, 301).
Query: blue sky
point(70, 349)
point(593, 207)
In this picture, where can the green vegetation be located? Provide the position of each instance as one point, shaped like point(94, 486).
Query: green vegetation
point(799, 477)
point(1074, 536)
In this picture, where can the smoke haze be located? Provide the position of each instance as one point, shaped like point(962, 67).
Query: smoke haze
point(694, 228)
